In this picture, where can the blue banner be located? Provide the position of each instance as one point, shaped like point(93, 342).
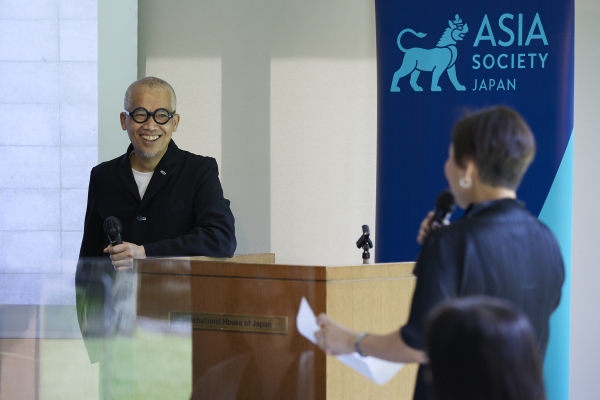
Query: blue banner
point(439, 59)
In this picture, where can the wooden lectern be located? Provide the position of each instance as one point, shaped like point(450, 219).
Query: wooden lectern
point(240, 346)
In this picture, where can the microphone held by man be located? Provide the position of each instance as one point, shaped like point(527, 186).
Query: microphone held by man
point(121, 253)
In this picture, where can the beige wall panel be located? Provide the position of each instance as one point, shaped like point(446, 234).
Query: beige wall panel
point(18, 372)
point(197, 83)
point(323, 158)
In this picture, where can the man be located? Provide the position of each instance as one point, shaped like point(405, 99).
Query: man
point(169, 201)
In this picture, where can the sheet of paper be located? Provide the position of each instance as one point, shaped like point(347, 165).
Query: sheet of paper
point(306, 321)
point(379, 371)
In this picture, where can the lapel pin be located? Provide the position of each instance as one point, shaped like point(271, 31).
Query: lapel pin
point(163, 172)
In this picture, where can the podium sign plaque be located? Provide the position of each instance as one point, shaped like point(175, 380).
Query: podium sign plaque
point(231, 322)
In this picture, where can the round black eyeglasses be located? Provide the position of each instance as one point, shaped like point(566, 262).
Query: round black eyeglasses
point(141, 115)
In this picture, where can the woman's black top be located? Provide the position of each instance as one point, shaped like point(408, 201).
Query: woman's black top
point(498, 249)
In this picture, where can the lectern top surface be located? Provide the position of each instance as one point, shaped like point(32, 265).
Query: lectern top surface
point(274, 271)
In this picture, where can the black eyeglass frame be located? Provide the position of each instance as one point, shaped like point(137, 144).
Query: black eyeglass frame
point(150, 114)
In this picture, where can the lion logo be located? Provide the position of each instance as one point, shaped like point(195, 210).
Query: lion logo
point(437, 60)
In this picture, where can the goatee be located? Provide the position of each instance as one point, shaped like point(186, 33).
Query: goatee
point(141, 154)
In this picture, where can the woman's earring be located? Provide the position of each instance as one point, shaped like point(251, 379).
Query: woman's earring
point(465, 182)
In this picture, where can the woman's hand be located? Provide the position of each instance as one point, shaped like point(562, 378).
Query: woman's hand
point(334, 338)
point(427, 226)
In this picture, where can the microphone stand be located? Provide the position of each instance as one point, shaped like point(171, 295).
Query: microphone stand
point(366, 255)
point(365, 243)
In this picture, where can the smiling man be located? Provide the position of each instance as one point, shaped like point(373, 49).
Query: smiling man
point(169, 201)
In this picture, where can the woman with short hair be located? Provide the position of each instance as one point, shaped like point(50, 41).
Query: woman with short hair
point(498, 248)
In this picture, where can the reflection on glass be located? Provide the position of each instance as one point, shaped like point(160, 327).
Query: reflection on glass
point(123, 335)
point(140, 354)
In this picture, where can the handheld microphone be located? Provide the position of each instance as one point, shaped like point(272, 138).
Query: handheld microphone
point(113, 228)
point(444, 207)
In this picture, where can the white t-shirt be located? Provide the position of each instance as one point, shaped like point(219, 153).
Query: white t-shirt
point(142, 179)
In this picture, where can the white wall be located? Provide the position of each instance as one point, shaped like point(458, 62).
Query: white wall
point(323, 157)
point(585, 318)
point(283, 94)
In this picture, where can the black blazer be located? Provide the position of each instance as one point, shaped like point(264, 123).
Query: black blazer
point(183, 212)
point(498, 249)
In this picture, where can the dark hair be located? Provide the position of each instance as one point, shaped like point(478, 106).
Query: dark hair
point(483, 349)
point(500, 143)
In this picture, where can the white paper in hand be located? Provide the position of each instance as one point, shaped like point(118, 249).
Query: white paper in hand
point(306, 321)
point(379, 371)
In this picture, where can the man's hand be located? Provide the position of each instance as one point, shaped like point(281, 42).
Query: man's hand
point(334, 338)
point(122, 255)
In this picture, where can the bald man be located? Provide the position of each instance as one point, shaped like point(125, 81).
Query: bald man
point(169, 201)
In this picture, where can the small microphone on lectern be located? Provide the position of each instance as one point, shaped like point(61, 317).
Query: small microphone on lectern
point(365, 243)
point(113, 228)
point(444, 207)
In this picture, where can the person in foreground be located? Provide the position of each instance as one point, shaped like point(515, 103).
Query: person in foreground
point(482, 348)
point(497, 249)
point(169, 201)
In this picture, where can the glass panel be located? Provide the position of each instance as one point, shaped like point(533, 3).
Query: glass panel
point(196, 328)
